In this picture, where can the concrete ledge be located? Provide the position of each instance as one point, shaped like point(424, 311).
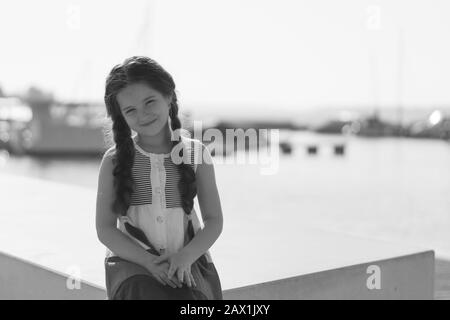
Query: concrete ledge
point(406, 277)
point(20, 279)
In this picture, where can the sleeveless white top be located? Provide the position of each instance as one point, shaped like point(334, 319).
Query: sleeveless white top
point(155, 205)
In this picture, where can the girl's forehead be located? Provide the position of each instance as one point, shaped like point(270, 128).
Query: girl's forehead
point(135, 93)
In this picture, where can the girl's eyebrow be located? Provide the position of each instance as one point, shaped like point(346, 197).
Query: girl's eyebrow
point(148, 98)
point(145, 99)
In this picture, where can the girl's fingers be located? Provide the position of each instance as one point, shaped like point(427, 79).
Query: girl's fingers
point(171, 271)
point(173, 280)
point(176, 282)
point(171, 283)
point(192, 279)
point(180, 275)
point(160, 280)
point(188, 279)
point(168, 281)
point(170, 275)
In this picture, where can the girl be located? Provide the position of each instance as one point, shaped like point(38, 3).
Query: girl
point(159, 249)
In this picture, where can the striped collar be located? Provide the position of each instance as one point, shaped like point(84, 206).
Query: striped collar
point(148, 154)
point(158, 155)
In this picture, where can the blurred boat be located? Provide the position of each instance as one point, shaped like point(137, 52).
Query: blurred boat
point(14, 116)
point(340, 124)
point(437, 126)
point(332, 127)
point(52, 129)
point(373, 126)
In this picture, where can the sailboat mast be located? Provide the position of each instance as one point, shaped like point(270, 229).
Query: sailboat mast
point(145, 37)
point(400, 80)
point(375, 81)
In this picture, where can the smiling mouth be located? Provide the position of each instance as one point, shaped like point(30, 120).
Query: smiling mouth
point(148, 123)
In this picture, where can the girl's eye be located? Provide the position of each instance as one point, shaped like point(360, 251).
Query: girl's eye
point(129, 111)
point(150, 101)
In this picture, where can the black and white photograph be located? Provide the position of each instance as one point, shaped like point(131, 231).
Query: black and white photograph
point(252, 150)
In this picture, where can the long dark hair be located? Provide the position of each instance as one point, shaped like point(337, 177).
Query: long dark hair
point(133, 70)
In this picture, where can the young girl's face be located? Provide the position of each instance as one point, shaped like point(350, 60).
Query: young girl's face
point(145, 110)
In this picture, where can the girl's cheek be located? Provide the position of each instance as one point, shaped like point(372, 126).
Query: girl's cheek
point(131, 119)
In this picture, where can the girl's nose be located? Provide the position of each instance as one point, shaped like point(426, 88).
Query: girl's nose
point(146, 110)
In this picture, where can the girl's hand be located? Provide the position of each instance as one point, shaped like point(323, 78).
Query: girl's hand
point(159, 272)
point(180, 264)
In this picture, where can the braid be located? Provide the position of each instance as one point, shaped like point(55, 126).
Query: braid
point(187, 184)
point(123, 163)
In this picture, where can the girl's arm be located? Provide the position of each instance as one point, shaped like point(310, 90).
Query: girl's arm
point(106, 221)
point(211, 210)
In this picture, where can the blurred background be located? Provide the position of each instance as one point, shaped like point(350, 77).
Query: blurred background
point(359, 91)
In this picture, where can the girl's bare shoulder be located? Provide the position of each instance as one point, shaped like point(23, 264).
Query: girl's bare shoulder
point(110, 152)
point(107, 160)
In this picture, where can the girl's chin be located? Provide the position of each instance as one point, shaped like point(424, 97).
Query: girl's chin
point(149, 131)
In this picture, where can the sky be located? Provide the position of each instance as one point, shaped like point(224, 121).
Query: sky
point(258, 54)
